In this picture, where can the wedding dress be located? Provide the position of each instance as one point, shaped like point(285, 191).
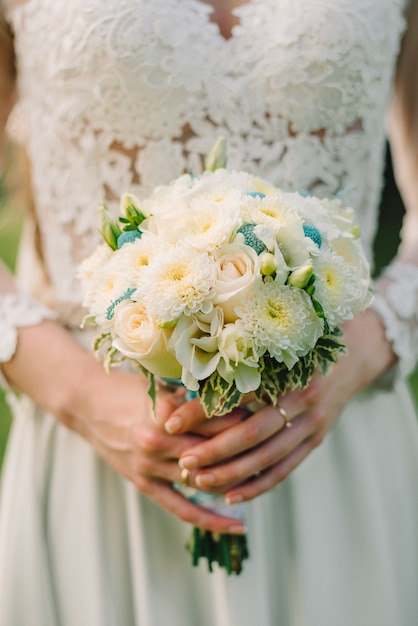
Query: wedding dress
point(122, 96)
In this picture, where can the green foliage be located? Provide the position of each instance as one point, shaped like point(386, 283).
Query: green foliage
point(152, 388)
point(218, 396)
point(276, 379)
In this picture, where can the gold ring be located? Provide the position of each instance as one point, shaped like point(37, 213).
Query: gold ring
point(184, 477)
point(285, 416)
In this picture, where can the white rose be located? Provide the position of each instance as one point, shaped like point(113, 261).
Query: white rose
point(139, 337)
point(237, 267)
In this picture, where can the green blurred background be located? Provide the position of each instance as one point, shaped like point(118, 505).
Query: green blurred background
point(391, 212)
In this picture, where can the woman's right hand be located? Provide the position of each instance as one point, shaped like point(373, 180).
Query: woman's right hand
point(113, 412)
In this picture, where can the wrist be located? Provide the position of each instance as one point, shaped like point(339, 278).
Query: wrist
point(369, 348)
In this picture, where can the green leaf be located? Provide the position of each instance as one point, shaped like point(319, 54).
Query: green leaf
point(101, 341)
point(112, 358)
point(109, 227)
point(89, 320)
point(152, 388)
point(232, 400)
point(213, 392)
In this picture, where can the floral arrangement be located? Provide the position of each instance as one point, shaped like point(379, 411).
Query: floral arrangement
point(230, 285)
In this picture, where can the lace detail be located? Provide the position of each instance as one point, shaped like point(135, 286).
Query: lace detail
point(127, 95)
point(17, 310)
point(396, 303)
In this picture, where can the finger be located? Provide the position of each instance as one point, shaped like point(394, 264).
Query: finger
point(271, 477)
point(236, 440)
point(157, 444)
point(187, 511)
point(186, 418)
point(235, 471)
point(216, 425)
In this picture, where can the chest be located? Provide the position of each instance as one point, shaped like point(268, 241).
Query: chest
point(314, 62)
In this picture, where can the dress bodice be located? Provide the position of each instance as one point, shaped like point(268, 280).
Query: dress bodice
point(122, 96)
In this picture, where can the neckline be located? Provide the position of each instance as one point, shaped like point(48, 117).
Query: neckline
point(233, 19)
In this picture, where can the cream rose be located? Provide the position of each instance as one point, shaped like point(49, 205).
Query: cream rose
point(139, 337)
point(237, 268)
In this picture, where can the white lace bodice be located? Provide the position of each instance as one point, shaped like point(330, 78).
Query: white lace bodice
point(124, 95)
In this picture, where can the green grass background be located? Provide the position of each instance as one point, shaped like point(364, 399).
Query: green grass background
point(9, 237)
point(387, 239)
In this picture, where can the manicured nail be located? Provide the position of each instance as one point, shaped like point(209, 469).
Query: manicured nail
point(173, 425)
point(189, 462)
point(205, 480)
point(237, 530)
point(234, 499)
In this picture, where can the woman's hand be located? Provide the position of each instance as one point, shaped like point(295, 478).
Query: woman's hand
point(256, 454)
point(113, 412)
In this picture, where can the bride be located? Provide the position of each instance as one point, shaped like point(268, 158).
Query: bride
point(124, 96)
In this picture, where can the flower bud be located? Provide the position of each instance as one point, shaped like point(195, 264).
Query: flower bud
point(130, 207)
point(356, 231)
point(300, 277)
point(216, 158)
point(267, 264)
point(109, 228)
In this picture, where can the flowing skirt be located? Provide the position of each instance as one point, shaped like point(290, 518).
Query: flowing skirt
point(335, 545)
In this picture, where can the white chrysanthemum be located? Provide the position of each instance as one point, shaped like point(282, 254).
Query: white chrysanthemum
point(89, 270)
point(232, 179)
point(204, 216)
point(134, 256)
point(281, 320)
point(272, 211)
point(107, 283)
point(210, 220)
point(330, 217)
point(339, 287)
point(178, 280)
point(342, 217)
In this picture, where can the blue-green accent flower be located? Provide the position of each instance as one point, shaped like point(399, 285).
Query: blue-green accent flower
point(304, 193)
point(111, 310)
point(128, 236)
point(256, 194)
point(251, 239)
point(313, 233)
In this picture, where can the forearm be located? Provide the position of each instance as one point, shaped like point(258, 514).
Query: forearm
point(51, 368)
point(33, 349)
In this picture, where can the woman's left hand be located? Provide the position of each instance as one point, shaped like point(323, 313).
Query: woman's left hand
point(253, 455)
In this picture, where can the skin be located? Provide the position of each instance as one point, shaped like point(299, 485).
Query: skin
point(112, 411)
point(254, 455)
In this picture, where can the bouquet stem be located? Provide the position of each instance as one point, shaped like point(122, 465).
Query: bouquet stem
point(228, 551)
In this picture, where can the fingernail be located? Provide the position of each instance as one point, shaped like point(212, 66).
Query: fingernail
point(173, 425)
point(234, 499)
point(189, 462)
point(205, 480)
point(237, 530)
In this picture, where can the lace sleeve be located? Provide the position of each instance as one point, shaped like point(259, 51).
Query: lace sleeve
point(17, 310)
point(396, 303)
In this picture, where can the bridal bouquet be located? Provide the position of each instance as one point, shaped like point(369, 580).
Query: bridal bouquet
point(228, 285)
